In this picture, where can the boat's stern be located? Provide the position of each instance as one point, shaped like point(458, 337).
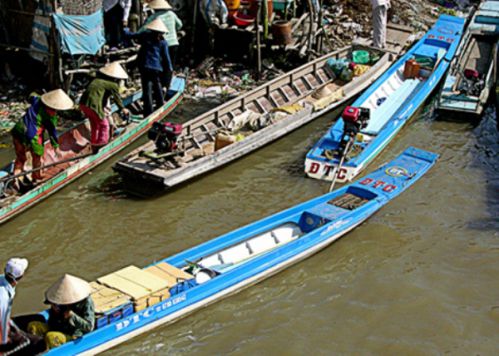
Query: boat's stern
point(327, 169)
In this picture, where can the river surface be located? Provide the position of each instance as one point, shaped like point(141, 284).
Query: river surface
point(420, 277)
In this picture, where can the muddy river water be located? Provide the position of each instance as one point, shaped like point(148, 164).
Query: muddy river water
point(420, 277)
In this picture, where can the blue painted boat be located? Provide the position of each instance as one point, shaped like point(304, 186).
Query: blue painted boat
point(386, 106)
point(471, 77)
point(238, 259)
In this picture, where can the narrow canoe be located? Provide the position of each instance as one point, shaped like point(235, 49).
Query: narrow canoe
point(250, 254)
point(75, 142)
point(299, 98)
point(391, 100)
point(471, 78)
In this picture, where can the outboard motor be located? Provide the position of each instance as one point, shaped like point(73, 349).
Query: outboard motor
point(473, 83)
point(165, 136)
point(355, 119)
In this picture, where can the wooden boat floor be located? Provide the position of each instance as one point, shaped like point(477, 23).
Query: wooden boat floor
point(348, 201)
point(478, 56)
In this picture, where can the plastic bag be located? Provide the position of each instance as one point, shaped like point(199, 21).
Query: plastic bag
point(361, 57)
point(346, 75)
point(337, 65)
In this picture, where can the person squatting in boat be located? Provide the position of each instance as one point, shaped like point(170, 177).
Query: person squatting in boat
point(95, 106)
point(71, 313)
point(27, 134)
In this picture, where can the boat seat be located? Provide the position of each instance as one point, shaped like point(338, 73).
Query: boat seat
point(234, 254)
point(286, 233)
point(389, 107)
point(262, 244)
point(391, 85)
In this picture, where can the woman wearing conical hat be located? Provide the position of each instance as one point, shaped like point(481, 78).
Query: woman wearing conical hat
point(28, 133)
point(94, 102)
point(164, 11)
point(154, 64)
point(71, 314)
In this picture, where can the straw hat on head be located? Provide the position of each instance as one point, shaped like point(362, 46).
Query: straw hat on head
point(159, 5)
point(157, 25)
point(68, 290)
point(57, 100)
point(114, 70)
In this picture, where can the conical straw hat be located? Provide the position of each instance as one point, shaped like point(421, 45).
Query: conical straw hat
point(114, 70)
point(159, 5)
point(68, 290)
point(157, 25)
point(321, 93)
point(57, 100)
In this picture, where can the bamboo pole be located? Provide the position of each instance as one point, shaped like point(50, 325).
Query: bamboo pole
point(258, 44)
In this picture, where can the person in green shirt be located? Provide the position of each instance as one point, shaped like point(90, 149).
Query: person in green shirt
point(94, 102)
point(71, 313)
point(164, 11)
point(28, 133)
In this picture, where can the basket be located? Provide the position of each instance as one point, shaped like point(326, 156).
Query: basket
point(243, 20)
point(78, 7)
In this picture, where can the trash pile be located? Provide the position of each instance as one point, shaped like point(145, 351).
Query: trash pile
point(345, 20)
point(13, 104)
point(217, 80)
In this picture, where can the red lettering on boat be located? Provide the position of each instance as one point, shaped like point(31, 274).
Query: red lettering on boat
point(342, 173)
point(314, 167)
point(366, 181)
point(389, 188)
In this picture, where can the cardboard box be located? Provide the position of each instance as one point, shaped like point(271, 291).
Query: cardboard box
point(144, 288)
point(169, 273)
point(110, 304)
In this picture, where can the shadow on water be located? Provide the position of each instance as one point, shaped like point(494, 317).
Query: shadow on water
point(486, 158)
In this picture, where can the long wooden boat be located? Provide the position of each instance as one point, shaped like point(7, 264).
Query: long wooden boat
point(76, 142)
point(471, 77)
point(390, 103)
point(279, 107)
point(227, 264)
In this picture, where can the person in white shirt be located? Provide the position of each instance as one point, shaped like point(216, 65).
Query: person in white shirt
point(380, 13)
point(116, 13)
point(12, 339)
